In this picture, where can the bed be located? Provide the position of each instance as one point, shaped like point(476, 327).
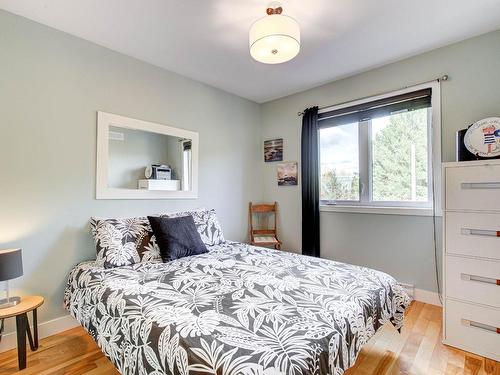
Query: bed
point(237, 309)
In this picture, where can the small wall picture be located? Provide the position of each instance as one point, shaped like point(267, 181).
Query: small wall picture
point(287, 173)
point(273, 150)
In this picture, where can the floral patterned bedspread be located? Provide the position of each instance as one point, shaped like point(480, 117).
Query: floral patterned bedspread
point(236, 310)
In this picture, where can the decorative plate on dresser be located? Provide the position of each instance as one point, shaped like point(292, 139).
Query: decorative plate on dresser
point(483, 138)
point(471, 256)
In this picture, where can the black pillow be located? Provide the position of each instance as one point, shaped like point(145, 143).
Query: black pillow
point(177, 237)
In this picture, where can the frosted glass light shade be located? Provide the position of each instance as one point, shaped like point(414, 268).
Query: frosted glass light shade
point(274, 39)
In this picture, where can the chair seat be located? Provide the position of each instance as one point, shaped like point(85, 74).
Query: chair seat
point(265, 239)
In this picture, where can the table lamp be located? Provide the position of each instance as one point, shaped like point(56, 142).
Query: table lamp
point(11, 266)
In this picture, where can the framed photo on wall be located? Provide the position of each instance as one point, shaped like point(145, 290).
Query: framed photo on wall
point(287, 173)
point(273, 150)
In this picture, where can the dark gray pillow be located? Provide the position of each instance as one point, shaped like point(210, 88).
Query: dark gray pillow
point(206, 223)
point(177, 237)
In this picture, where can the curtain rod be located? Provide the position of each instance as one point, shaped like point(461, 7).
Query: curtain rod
point(439, 79)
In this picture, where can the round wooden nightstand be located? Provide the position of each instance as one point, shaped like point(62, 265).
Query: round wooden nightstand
point(20, 311)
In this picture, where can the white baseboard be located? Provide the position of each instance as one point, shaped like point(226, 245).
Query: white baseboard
point(45, 329)
point(422, 295)
point(426, 296)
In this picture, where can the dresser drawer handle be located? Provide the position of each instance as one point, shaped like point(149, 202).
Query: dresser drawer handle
point(486, 327)
point(480, 232)
point(481, 279)
point(480, 185)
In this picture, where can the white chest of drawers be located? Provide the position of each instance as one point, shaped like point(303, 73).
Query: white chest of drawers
point(471, 256)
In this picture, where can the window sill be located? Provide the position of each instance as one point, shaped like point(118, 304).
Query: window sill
point(408, 211)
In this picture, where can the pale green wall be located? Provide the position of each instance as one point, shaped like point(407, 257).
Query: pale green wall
point(399, 245)
point(51, 85)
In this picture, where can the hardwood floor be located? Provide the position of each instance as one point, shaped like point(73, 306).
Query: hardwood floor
point(418, 350)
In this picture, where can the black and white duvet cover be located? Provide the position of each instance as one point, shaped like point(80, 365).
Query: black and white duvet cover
point(237, 310)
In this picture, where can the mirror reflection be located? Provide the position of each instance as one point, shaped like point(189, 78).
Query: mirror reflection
point(148, 161)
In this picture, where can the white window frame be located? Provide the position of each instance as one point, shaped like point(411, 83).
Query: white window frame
point(186, 168)
point(366, 204)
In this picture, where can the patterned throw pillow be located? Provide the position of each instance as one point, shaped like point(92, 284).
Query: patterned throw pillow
point(122, 242)
point(206, 223)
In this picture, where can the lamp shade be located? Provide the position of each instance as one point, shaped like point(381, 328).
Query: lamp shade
point(11, 264)
point(274, 39)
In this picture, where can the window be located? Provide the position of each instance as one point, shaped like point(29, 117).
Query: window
point(378, 152)
point(186, 165)
point(339, 162)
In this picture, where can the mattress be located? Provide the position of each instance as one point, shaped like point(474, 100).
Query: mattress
point(237, 309)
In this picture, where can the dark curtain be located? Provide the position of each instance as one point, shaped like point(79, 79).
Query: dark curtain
point(310, 183)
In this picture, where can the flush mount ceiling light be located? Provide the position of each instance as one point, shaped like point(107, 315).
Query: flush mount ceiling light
point(275, 38)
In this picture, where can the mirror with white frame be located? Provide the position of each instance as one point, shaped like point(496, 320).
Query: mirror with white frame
point(143, 160)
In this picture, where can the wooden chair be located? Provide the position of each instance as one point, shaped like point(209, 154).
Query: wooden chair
point(264, 237)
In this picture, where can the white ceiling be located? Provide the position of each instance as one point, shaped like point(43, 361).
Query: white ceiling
point(207, 40)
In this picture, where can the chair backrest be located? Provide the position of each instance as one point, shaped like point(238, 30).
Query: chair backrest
point(263, 208)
